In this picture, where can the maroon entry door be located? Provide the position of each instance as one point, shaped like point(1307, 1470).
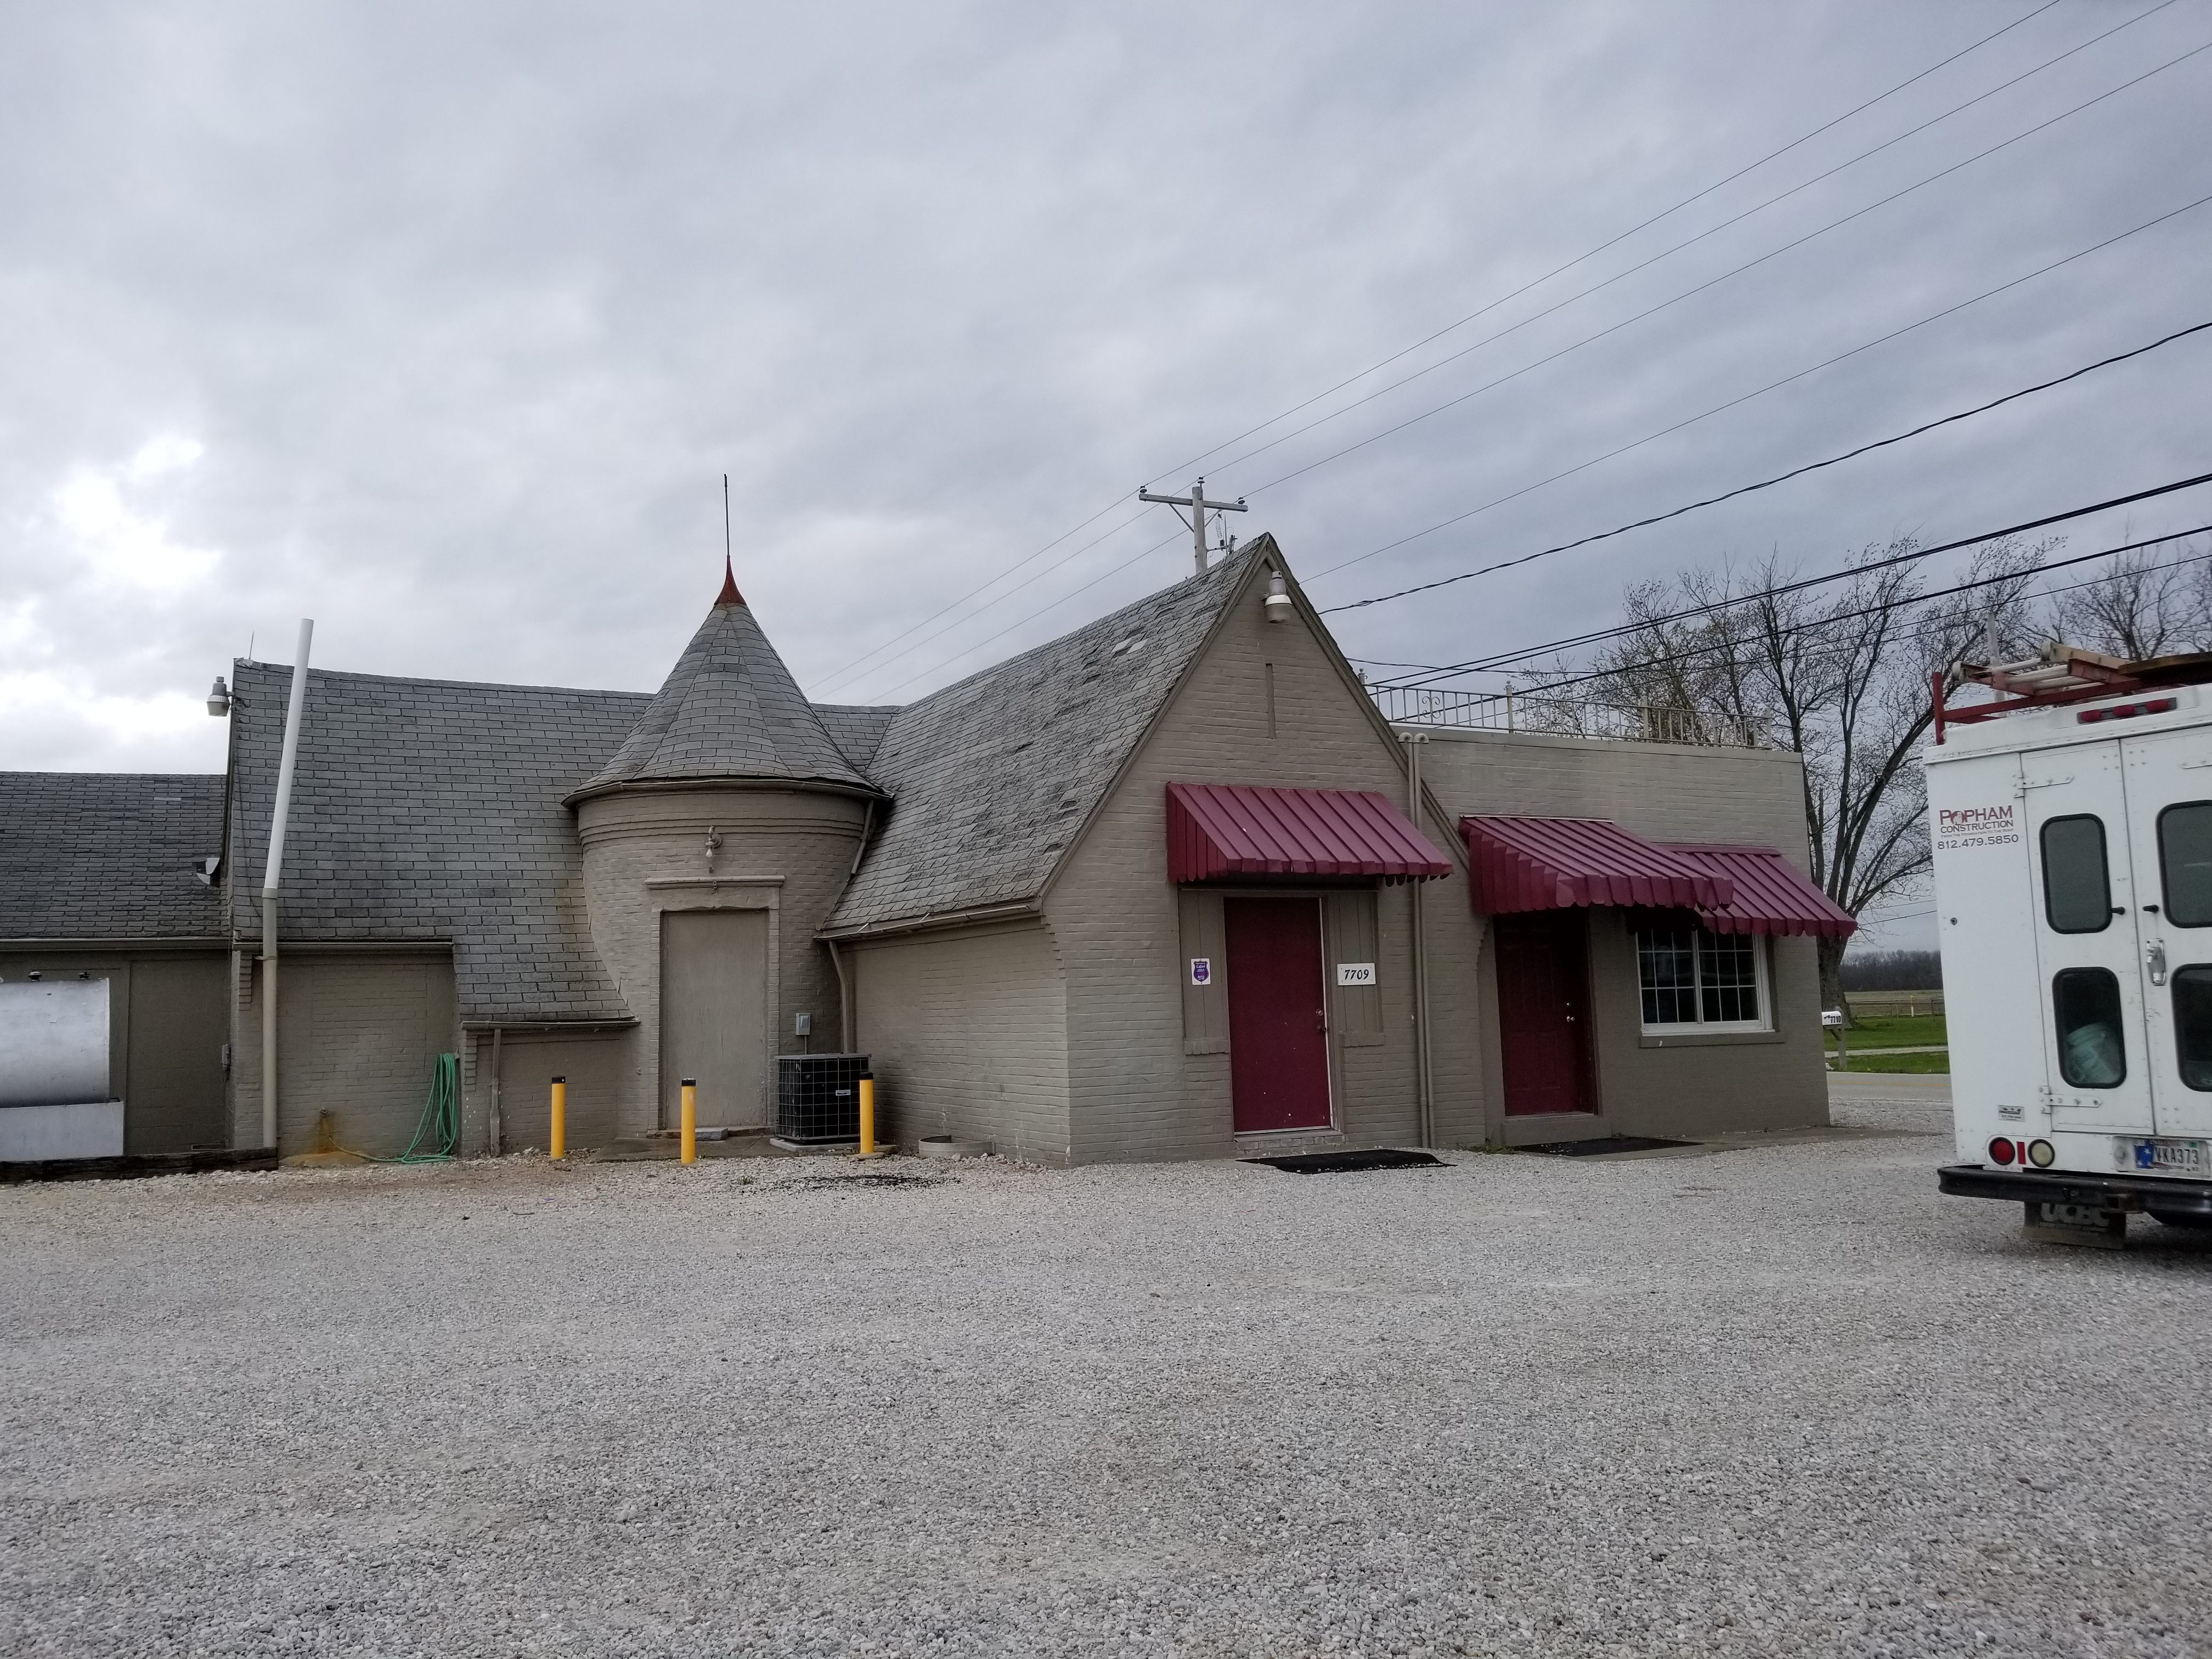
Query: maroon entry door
point(1278, 1014)
point(1543, 1012)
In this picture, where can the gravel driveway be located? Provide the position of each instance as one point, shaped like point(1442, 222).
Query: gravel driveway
point(1780, 1400)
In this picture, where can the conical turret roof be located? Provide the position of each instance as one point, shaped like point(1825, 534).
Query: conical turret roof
point(728, 709)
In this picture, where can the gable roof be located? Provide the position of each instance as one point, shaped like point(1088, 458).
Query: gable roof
point(991, 778)
point(728, 709)
point(430, 810)
point(108, 855)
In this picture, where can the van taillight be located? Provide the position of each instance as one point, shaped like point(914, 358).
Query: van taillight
point(2125, 711)
point(2000, 1151)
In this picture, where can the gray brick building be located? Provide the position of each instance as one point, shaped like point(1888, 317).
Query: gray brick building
point(1158, 889)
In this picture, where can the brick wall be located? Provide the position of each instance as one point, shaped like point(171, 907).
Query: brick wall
point(1134, 1093)
point(968, 1036)
point(357, 1037)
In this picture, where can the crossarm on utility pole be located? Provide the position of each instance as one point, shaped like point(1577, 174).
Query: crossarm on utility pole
point(1199, 507)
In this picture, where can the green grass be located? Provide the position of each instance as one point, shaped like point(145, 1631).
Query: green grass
point(1921, 1063)
point(1895, 1031)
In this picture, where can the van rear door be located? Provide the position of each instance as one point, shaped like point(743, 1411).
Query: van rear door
point(2169, 792)
point(2076, 823)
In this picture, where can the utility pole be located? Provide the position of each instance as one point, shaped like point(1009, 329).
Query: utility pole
point(1199, 507)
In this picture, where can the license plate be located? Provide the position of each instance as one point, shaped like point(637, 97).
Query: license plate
point(2182, 1157)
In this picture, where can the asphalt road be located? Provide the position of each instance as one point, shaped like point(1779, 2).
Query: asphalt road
point(1780, 1400)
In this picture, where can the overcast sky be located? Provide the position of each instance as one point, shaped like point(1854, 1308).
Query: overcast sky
point(441, 323)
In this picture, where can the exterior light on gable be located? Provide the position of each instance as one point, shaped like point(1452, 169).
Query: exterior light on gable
point(219, 699)
point(1278, 606)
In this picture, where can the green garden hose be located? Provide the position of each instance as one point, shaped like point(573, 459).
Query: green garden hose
point(438, 1131)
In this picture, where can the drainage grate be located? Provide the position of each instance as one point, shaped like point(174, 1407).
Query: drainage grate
point(1599, 1148)
point(1338, 1162)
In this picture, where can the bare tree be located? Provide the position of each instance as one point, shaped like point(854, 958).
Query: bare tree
point(2146, 604)
point(1839, 674)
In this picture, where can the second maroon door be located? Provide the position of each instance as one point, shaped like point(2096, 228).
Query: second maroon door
point(1278, 1014)
point(1543, 1012)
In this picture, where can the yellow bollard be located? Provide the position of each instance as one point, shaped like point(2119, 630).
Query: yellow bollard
point(690, 1120)
point(867, 1113)
point(558, 1142)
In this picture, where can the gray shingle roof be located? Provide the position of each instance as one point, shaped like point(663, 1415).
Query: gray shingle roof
point(108, 855)
point(430, 809)
point(990, 778)
point(858, 728)
point(728, 709)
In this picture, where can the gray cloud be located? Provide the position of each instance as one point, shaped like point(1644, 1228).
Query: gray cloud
point(441, 324)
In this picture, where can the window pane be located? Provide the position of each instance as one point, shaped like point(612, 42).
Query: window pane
point(1666, 968)
point(2192, 1023)
point(2090, 1053)
point(1728, 970)
point(2184, 860)
point(2077, 890)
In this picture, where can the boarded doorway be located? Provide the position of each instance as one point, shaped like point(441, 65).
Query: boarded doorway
point(1543, 1012)
point(713, 1015)
point(1278, 1014)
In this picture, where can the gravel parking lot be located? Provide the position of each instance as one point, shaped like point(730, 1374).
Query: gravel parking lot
point(1778, 1400)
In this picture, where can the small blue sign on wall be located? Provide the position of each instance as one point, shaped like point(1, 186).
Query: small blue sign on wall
point(1201, 970)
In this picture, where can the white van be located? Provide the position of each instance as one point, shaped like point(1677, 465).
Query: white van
point(2072, 823)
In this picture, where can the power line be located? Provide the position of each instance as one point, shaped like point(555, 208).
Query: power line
point(1687, 201)
point(839, 675)
point(1686, 654)
point(1764, 483)
point(971, 650)
point(1500, 659)
point(1715, 230)
point(1584, 259)
point(1690, 293)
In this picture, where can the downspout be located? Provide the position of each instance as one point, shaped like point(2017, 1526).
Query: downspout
point(845, 1035)
point(273, 877)
point(1425, 1081)
point(844, 999)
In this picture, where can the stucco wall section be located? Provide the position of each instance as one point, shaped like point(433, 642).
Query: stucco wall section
point(1662, 792)
point(1674, 1085)
point(166, 1027)
point(787, 851)
point(1134, 1093)
point(967, 1032)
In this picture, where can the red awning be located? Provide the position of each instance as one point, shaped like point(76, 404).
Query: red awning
point(1557, 863)
point(1770, 895)
point(1217, 830)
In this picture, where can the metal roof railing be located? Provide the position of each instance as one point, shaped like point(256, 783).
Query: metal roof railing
point(1568, 717)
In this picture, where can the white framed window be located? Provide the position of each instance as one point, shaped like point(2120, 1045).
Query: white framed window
point(1694, 980)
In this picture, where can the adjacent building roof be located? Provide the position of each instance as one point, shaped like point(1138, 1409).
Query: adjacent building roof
point(991, 778)
point(1771, 896)
point(1218, 831)
point(728, 709)
point(1554, 864)
point(432, 810)
point(108, 855)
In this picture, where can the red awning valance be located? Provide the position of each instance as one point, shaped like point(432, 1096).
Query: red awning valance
point(1770, 895)
point(1225, 829)
point(1557, 863)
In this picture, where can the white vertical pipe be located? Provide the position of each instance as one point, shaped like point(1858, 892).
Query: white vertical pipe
point(1424, 1081)
point(273, 877)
